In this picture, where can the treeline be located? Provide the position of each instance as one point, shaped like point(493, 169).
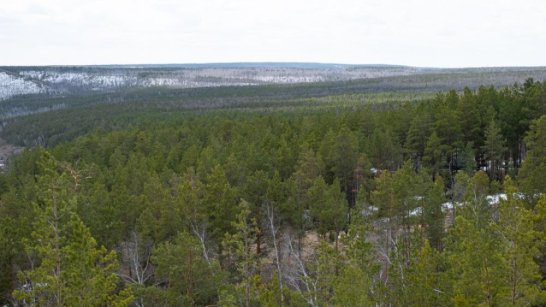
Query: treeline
point(263, 97)
point(403, 204)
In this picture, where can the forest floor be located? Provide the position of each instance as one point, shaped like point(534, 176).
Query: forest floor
point(6, 151)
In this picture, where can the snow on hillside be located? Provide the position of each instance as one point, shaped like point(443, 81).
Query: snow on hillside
point(289, 79)
point(79, 79)
point(59, 80)
point(11, 86)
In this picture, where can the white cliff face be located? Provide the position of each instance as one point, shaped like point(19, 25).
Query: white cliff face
point(11, 86)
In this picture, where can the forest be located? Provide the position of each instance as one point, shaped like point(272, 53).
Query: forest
point(272, 199)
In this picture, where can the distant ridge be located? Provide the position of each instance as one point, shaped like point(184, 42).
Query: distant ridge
point(302, 65)
point(297, 65)
point(63, 80)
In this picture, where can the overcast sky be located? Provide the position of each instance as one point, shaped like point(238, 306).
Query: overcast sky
point(435, 33)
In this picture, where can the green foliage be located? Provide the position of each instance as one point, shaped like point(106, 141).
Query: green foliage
point(532, 172)
point(493, 148)
point(188, 277)
point(468, 159)
point(433, 216)
point(339, 154)
point(239, 256)
point(539, 219)
point(172, 183)
point(476, 265)
point(427, 284)
point(494, 263)
point(220, 202)
point(384, 150)
point(354, 284)
point(419, 132)
point(350, 288)
point(67, 267)
point(518, 235)
point(477, 210)
point(328, 206)
point(433, 154)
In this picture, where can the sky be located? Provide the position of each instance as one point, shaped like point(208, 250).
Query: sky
point(426, 33)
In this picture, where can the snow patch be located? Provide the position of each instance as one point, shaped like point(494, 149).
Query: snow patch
point(369, 210)
point(496, 198)
point(416, 212)
point(11, 86)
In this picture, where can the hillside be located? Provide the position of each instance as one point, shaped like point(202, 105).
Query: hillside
point(63, 80)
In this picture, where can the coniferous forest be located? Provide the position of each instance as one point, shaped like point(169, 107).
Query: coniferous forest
point(275, 198)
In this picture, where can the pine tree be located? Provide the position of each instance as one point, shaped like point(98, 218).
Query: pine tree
point(518, 248)
point(68, 268)
point(433, 215)
point(448, 128)
point(354, 285)
point(384, 150)
point(325, 270)
point(434, 156)
point(494, 149)
point(350, 288)
point(426, 281)
point(539, 218)
point(476, 264)
point(533, 169)
point(468, 159)
point(344, 158)
point(329, 206)
point(398, 197)
point(476, 209)
point(418, 133)
point(470, 118)
point(239, 258)
point(306, 172)
point(220, 202)
point(189, 277)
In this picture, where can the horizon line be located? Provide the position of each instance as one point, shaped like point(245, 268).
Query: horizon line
point(265, 63)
